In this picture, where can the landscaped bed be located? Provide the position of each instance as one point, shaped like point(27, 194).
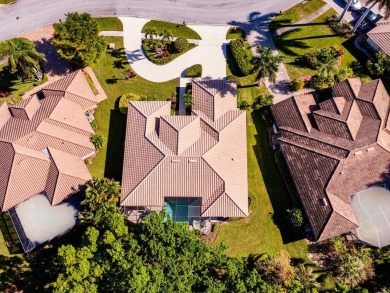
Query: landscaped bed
point(166, 55)
point(109, 70)
point(235, 33)
point(310, 37)
point(177, 30)
point(296, 13)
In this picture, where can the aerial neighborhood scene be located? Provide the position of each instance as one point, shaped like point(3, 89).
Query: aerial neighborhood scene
point(195, 146)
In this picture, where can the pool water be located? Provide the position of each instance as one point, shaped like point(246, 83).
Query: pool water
point(183, 210)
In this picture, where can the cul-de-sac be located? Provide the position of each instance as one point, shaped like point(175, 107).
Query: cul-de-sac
point(195, 146)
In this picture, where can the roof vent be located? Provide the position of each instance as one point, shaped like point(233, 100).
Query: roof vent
point(175, 161)
point(324, 202)
point(370, 149)
point(358, 153)
point(192, 161)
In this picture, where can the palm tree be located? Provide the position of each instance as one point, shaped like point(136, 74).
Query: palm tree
point(306, 277)
point(156, 44)
point(23, 58)
point(379, 65)
point(267, 64)
point(150, 32)
point(382, 4)
point(166, 36)
point(352, 269)
point(98, 140)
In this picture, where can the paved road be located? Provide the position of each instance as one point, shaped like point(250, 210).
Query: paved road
point(36, 13)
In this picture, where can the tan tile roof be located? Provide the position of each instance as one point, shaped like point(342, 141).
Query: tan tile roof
point(29, 128)
point(381, 35)
point(188, 156)
point(346, 151)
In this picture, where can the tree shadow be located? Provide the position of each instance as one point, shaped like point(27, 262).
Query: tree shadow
point(115, 144)
point(276, 188)
point(286, 45)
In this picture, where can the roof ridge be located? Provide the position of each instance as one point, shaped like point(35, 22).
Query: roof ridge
point(288, 141)
point(299, 112)
point(208, 90)
point(138, 110)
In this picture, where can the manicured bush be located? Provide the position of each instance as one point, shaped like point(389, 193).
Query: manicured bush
point(181, 44)
point(93, 124)
point(324, 56)
point(342, 28)
point(124, 101)
point(194, 71)
point(296, 85)
point(296, 217)
point(241, 56)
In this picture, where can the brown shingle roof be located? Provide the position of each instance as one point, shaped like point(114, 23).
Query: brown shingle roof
point(188, 156)
point(381, 35)
point(348, 151)
point(29, 128)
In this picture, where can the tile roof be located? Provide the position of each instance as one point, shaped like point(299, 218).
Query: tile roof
point(44, 143)
point(202, 155)
point(346, 151)
point(381, 35)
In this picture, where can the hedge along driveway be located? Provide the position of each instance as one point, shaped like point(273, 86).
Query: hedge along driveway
point(210, 53)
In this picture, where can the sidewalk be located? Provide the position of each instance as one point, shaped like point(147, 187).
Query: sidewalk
point(210, 52)
point(305, 20)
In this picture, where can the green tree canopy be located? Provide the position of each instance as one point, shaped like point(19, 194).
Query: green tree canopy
point(77, 39)
point(23, 58)
point(267, 64)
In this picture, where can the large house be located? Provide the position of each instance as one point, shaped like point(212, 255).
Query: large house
point(44, 141)
point(336, 150)
point(379, 37)
point(194, 166)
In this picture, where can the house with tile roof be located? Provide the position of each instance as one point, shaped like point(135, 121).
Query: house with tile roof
point(44, 142)
point(195, 166)
point(335, 149)
point(379, 37)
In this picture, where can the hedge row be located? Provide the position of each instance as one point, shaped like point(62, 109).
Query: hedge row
point(241, 56)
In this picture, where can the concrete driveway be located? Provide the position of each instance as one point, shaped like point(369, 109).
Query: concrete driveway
point(210, 52)
point(25, 15)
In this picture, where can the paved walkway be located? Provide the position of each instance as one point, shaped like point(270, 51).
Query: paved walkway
point(210, 52)
point(307, 19)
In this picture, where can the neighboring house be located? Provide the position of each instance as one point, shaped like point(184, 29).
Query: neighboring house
point(338, 148)
point(44, 143)
point(194, 166)
point(379, 37)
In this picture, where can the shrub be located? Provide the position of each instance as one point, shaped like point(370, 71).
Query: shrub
point(263, 101)
point(325, 56)
point(98, 140)
point(215, 227)
point(343, 27)
point(194, 71)
point(88, 162)
point(42, 81)
point(379, 65)
point(181, 44)
point(244, 105)
point(296, 85)
point(124, 101)
point(241, 56)
point(93, 124)
point(296, 218)
point(321, 82)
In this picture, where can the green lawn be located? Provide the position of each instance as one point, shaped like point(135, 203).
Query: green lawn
point(308, 38)
point(6, 1)
point(111, 122)
point(296, 13)
point(109, 24)
point(266, 229)
point(10, 83)
point(3, 247)
point(235, 33)
point(177, 30)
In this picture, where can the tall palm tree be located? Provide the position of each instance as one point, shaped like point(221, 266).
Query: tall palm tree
point(23, 58)
point(166, 36)
point(267, 64)
point(383, 5)
point(150, 32)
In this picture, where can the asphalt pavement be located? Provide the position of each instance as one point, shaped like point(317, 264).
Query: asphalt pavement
point(25, 15)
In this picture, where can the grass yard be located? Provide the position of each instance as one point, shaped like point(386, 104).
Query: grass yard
point(111, 122)
point(3, 247)
point(266, 229)
point(109, 24)
point(308, 38)
point(10, 83)
point(6, 1)
point(235, 33)
point(296, 13)
point(177, 30)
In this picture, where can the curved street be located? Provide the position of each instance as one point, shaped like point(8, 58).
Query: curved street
point(25, 15)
